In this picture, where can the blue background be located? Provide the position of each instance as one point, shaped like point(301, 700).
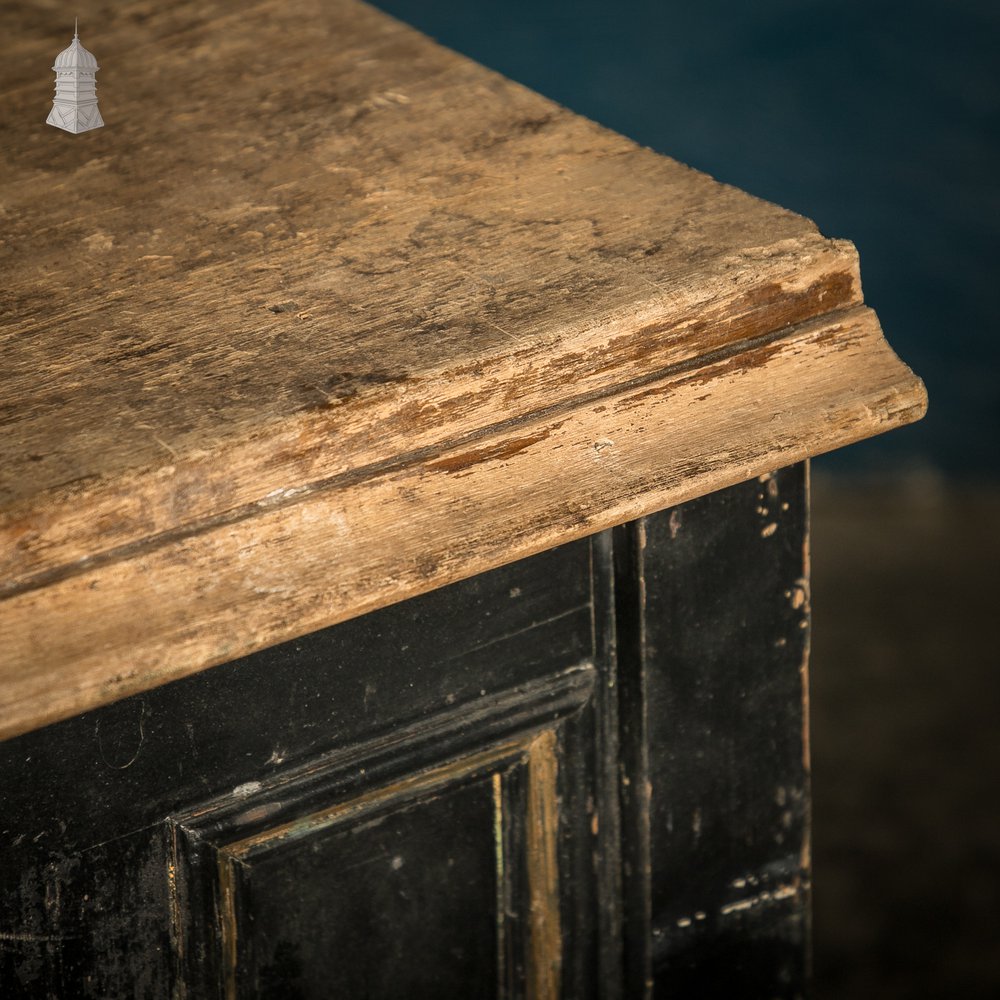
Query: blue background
point(879, 120)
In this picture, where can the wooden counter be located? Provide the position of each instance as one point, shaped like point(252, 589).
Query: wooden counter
point(327, 317)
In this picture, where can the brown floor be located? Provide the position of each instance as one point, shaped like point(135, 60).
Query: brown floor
point(906, 740)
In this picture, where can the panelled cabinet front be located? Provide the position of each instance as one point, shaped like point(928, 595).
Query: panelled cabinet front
point(579, 775)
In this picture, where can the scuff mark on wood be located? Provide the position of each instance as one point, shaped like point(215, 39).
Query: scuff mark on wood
point(497, 452)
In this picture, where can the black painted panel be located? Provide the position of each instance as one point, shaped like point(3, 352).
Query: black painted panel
point(400, 904)
point(724, 645)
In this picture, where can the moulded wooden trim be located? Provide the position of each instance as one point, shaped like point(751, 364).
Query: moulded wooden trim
point(383, 424)
point(177, 604)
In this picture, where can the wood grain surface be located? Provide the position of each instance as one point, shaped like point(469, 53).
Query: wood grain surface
point(327, 316)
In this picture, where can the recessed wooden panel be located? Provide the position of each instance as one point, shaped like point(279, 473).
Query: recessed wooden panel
point(421, 862)
point(399, 902)
point(444, 882)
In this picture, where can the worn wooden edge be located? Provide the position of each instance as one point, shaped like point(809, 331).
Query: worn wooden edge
point(758, 291)
point(174, 605)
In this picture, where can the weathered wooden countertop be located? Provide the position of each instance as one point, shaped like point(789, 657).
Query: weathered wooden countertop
point(327, 316)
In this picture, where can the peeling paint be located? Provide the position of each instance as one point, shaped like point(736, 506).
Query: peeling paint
point(674, 523)
point(247, 789)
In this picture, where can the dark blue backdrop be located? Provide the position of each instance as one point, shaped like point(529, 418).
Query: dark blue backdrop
point(879, 120)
